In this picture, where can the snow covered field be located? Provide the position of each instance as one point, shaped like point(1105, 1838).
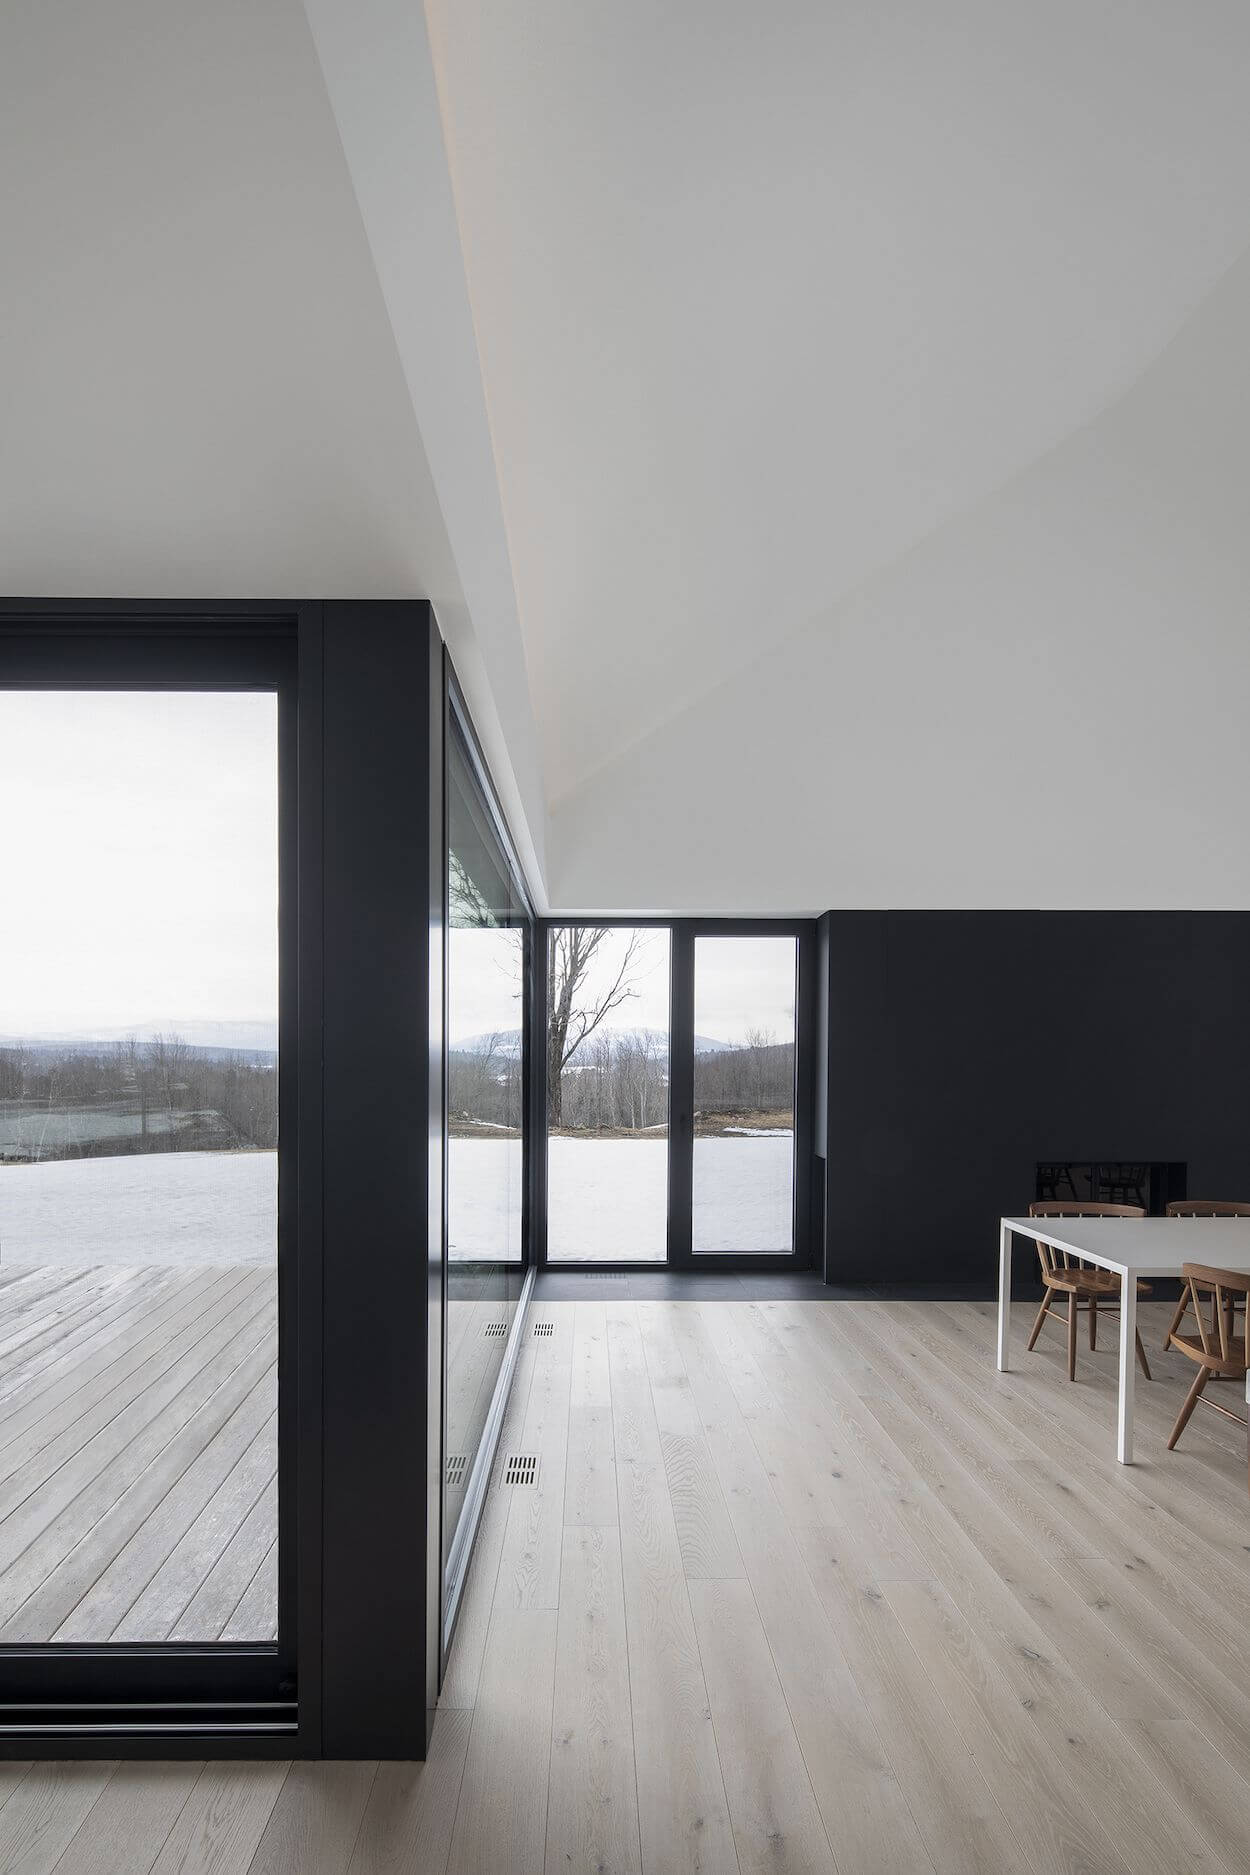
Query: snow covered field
point(606, 1200)
point(162, 1207)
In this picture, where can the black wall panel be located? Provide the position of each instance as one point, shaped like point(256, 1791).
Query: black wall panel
point(375, 1171)
point(964, 1047)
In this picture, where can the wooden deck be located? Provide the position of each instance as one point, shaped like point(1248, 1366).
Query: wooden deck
point(801, 1587)
point(138, 1453)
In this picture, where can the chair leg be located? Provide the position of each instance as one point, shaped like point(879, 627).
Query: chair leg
point(1141, 1355)
point(1041, 1317)
point(1191, 1400)
point(1093, 1324)
point(1072, 1336)
point(1175, 1322)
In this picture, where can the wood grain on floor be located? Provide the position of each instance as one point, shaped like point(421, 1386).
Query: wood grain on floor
point(801, 1586)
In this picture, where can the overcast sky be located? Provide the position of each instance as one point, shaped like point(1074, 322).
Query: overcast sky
point(138, 842)
point(740, 984)
point(138, 846)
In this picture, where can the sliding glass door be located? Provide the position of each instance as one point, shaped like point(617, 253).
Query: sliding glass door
point(677, 1105)
point(146, 1479)
point(138, 1167)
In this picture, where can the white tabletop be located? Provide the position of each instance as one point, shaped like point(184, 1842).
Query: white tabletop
point(1158, 1244)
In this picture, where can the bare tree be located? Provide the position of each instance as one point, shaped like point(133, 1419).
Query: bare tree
point(466, 902)
point(573, 1011)
point(168, 1058)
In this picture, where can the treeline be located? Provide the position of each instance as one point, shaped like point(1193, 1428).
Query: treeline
point(485, 1088)
point(616, 1083)
point(619, 1083)
point(167, 1095)
point(756, 1079)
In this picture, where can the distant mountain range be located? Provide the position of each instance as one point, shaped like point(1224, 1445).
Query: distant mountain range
point(257, 1039)
point(508, 1042)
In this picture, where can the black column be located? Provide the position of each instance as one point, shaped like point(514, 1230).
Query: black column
point(381, 828)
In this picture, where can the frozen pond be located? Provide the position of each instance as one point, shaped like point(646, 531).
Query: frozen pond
point(606, 1201)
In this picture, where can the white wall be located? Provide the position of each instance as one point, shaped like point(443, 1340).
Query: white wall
point(1045, 704)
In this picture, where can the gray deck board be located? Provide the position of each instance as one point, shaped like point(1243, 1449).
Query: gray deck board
point(138, 1453)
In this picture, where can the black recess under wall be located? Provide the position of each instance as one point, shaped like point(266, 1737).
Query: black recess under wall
point(964, 1047)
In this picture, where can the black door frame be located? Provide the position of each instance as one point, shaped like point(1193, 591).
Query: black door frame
point(83, 1699)
point(362, 884)
point(684, 931)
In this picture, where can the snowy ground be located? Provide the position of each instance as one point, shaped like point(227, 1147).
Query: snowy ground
point(162, 1207)
point(607, 1198)
point(606, 1201)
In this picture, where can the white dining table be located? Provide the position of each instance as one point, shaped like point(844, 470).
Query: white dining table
point(1132, 1247)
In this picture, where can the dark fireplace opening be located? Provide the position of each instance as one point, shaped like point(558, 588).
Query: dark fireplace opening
point(1153, 1183)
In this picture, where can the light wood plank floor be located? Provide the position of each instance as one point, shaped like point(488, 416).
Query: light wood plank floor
point(138, 1453)
point(800, 1586)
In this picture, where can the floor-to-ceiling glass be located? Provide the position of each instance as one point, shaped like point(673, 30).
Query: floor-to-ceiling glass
point(744, 1095)
point(138, 1166)
point(486, 959)
point(608, 1028)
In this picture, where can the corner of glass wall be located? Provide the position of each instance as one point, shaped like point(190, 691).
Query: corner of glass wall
point(489, 927)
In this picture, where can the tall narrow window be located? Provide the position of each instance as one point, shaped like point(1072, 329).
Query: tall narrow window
point(138, 1166)
point(608, 1030)
point(744, 1095)
point(487, 924)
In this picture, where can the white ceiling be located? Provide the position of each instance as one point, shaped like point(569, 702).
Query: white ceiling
point(764, 295)
point(776, 403)
point(1043, 704)
point(201, 391)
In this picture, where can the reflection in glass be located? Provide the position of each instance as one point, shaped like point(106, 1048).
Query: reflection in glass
point(486, 933)
point(138, 1166)
point(607, 1093)
point(744, 1019)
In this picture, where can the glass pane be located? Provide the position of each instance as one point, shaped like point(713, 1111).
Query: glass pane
point(138, 1166)
point(607, 1094)
point(744, 998)
point(486, 931)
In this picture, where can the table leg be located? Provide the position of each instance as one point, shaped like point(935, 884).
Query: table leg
point(1004, 1298)
point(1128, 1364)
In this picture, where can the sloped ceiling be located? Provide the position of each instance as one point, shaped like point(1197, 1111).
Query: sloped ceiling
point(778, 402)
point(201, 391)
point(765, 295)
point(1044, 704)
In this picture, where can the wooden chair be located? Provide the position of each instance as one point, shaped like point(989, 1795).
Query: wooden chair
point(1122, 1183)
point(1216, 1348)
point(1063, 1273)
point(1200, 1207)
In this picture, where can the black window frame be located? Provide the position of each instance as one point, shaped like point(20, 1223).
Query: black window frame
point(157, 1698)
point(806, 1251)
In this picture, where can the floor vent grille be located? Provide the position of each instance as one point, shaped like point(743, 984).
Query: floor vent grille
point(605, 1276)
point(544, 1328)
point(521, 1468)
point(494, 1331)
point(457, 1465)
